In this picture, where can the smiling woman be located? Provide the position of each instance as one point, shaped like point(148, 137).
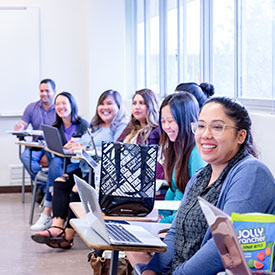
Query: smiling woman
point(69, 124)
point(106, 125)
point(233, 180)
point(143, 126)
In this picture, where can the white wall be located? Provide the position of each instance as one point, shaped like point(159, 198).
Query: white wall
point(107, 48)
point(82, 49)
point(263, 128)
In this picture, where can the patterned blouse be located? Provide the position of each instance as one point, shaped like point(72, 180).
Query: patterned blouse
point(191, 224)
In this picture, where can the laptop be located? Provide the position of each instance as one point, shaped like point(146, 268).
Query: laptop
point(53, 140)
point(226, 240)
point(113, 233)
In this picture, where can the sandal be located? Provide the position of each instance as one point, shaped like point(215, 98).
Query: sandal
point(64, 245)
point(52, 241)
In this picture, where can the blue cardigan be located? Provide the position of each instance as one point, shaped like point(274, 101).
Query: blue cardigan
point(248, 187)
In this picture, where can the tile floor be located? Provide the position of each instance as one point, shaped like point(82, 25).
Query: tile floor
point(20, 255)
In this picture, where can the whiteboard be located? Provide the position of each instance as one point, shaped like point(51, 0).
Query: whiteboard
point(19, 59)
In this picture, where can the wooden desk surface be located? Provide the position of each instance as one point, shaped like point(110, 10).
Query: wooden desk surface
point(92, 239)
point(31, 144)
point(58, 154)
point(78, 210)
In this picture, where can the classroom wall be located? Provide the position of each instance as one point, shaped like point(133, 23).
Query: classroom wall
point(263, 130)
point(82, 49)
point(83, 46)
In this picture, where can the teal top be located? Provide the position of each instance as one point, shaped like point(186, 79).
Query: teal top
point(194, 164)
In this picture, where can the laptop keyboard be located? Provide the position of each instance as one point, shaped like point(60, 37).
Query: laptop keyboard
point(119, 233)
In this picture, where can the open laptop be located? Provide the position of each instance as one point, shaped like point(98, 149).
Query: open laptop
point(112, 233)
point(227, 241)
point(53, 140)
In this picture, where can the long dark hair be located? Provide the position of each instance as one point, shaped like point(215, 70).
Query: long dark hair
point(74, 110)
point(119, 117)
point(185, 109)
point(239, 114)
point(134, 125)
point(201, 92)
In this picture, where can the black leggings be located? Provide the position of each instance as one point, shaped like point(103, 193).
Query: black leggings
point(63, 195)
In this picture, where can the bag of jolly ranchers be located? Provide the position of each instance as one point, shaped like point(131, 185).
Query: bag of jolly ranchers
point(256, 235)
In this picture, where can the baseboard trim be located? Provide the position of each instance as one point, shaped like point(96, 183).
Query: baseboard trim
point(14, 189)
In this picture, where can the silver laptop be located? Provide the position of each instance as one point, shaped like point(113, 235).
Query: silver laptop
point(113, 233)
point(53, 140)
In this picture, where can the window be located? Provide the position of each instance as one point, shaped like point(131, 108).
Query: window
point(223, 47)
point(228, 43)
point(255, 56)
point(172, 46)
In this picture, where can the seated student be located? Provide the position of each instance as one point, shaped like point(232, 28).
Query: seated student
point(35, 114)
point(142, 127)
point(107, 124)
point(201, 92)
point(69, 123)
point(181, 157)
point(234, 181)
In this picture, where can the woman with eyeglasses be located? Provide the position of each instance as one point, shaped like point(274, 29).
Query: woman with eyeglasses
point(234, 181)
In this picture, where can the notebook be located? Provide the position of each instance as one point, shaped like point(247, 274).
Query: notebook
point(53, 140)
point(112, 233)
point(226, 240)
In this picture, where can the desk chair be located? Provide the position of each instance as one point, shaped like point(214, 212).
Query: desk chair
point(40, 178)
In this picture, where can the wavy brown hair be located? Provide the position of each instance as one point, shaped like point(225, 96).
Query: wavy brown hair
point(134, 126)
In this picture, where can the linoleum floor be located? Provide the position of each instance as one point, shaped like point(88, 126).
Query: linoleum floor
point(20, 255)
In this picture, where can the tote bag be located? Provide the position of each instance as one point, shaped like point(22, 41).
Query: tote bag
point(128, 176)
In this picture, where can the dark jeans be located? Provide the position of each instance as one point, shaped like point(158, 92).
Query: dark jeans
point(62, 197)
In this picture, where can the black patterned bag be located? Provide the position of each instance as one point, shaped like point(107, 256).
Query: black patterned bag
point(128, 176)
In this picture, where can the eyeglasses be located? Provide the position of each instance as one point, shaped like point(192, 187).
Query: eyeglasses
point(216, 128)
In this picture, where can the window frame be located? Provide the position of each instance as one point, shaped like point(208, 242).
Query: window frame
point(206, 49)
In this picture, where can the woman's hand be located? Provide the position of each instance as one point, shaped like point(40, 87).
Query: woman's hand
point(71, 145)
point(75, 189)
point(160, 217)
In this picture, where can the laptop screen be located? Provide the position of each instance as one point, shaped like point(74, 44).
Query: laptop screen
point(225, 238)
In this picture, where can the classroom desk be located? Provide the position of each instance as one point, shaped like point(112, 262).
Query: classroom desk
point(93, 240)
point(27, 133)
point(21, 137)
point(31, 144)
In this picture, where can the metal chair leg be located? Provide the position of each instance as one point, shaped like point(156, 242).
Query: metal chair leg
point(33, 201)
point(23, 185)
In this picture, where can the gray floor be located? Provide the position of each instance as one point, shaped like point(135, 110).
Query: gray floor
point(20, 255)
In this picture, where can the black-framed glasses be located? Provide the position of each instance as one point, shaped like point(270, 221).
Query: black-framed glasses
point(216, 128)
